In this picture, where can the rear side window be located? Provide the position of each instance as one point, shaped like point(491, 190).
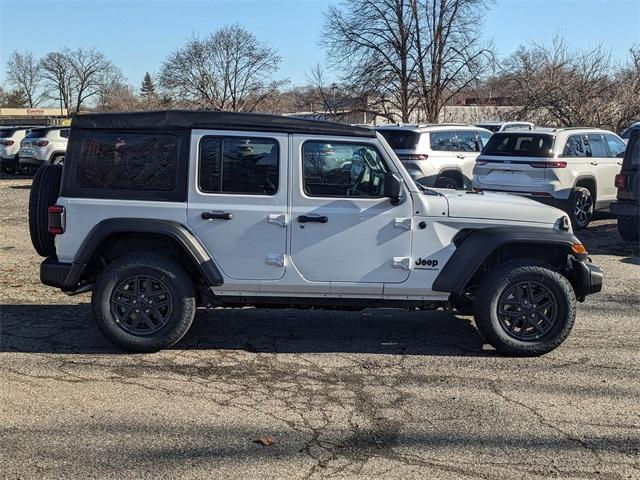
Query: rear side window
point(243, 165)
point(401, 139)
point(575, 147)
point(616, 146)
point(598, 147)
point(519, 145)
point(131, 161)
point(64, 133)
point(468, 141)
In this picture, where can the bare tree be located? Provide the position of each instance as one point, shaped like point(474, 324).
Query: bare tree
point(57, 73)
point(228, 70)
point(12, 99)
point(372, 41)
point(450, 54)
point(564, 87)
point(78, 76)
point(24, 73)
point(120, 97)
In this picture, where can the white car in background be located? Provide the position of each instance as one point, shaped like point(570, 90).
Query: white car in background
point(499, 126)
point(43, 145)
point(10, 138)
point(437, 155)
point(570, 168)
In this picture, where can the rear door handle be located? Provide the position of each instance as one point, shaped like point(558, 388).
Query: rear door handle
point(593, 163)
point(460, 156)
point(216, 215)
point(312, 218)
point(619, 162)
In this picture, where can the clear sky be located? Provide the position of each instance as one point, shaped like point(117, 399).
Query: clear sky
point(137, 34)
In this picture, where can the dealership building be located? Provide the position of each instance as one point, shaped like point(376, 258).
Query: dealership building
point(34, 116)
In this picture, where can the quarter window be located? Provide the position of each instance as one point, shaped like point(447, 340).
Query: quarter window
point(132, 161)
point(342, 170)
point(244, 165)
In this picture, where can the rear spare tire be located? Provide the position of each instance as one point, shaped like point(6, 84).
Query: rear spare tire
point(44, 193)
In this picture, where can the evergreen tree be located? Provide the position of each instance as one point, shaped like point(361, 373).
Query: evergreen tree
point(148, 88)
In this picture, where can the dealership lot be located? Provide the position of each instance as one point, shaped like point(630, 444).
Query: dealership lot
point(379, 393)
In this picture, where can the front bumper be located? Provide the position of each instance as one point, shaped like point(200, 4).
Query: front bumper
point(625, 209)
point(61, 275)
point(588, 278)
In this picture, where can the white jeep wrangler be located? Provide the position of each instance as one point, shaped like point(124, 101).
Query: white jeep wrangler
point(159, 213)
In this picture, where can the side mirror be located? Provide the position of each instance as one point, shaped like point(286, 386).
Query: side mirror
point(392, 187)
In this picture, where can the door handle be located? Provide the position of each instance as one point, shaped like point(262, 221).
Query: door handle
point(619, 162)
point(593, 163)
point(312, 218)
point(460, 156)
point(216, 215)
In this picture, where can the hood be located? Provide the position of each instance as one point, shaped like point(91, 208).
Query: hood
point(499, 206)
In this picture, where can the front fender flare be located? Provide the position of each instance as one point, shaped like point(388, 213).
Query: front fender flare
point(479, 244)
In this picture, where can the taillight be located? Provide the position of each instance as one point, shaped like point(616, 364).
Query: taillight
point(621, 181)
point(413, 157)
point(56, 219)
point(7, 143)
point(41, 143)
point(548, 164)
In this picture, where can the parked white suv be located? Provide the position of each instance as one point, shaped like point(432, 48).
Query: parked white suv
point(439, 156)
point(498, 126)
point(10, 138)
point(158, 213)
point(43, 145)
point(570, 168)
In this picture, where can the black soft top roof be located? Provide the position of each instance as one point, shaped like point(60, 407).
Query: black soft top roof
point(198, 119)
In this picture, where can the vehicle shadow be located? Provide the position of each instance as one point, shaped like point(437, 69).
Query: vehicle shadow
point(604, 239)
point(69, 329)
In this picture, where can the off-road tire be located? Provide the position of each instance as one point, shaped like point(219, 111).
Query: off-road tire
point(447, 182)
point(146, 264)
point(629, 228)
point(45, 190)
point(579, 196)
point(497, 282)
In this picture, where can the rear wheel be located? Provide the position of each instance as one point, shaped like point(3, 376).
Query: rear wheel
point(58, 160)
point(581, 207)
point(525, 308)
point(447, 182)
point(144, 302)
point(629, 228)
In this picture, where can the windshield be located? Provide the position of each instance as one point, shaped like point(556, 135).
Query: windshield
point(519, 145)
point(401, 139)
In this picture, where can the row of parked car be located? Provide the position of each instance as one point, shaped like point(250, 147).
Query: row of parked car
point(25, 149)
point(570, 168)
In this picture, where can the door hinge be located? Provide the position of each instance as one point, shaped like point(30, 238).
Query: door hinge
point(277, 219)
point(275, 259)
point(402, 222)
point(403, 263)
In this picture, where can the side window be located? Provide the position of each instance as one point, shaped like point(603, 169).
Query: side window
point(598, 147)
point(129, 161)
point(468, 141)
point(239, 165)
point(64, 133)
point(574, 147)
point(616, 146)
point(444, 141)
point(484, 137)
point(342, 170)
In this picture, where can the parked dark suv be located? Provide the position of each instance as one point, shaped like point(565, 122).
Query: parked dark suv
point(627, 206)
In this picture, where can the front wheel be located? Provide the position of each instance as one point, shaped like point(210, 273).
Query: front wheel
point(58, 160)
point(447, 182)
point(525, 308)
point(144, 302)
